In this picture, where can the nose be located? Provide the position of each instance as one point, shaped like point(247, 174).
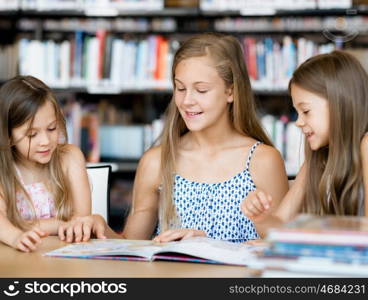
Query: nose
point(188, 99)
point(299, 122)
point(44, 138)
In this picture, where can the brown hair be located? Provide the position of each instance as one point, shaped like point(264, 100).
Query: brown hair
point(20, 99)
point(226, 52)
point(334, 178)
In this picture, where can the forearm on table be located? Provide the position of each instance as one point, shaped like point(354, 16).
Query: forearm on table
point(8, 232)
point(49, 226)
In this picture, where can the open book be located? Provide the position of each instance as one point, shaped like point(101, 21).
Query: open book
point(197, 249)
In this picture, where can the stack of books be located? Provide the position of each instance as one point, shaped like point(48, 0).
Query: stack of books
point(313, 246)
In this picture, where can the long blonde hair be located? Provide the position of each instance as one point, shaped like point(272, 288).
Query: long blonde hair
point(334, 178)
point(226, 53)
point(20, 99)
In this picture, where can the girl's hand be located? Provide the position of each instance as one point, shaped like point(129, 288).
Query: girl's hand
point(178, 234)
point(27, 241)
point(79, 229)
point(256, 205)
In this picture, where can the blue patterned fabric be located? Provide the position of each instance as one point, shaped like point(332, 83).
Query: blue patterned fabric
point(215, 207)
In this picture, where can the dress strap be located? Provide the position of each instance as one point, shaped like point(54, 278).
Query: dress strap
point(251, 153)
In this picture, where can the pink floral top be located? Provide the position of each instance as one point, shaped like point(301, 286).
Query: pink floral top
point(42, 199)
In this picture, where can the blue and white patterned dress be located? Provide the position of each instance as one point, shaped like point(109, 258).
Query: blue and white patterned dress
point(215, 207)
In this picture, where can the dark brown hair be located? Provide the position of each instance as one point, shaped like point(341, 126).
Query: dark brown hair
point(334, 182)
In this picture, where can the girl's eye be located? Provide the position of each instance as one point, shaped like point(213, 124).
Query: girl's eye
point(31, 135)
point(202, 91)
point(52, 129)
point(305, 112)
point(180, 89)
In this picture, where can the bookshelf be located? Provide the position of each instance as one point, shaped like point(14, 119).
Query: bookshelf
point(76, 47)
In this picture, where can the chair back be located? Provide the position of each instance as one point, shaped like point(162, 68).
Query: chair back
point(99, 180)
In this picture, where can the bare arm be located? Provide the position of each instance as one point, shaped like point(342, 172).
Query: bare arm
point(15, 237)
point(74, 168)
point(50, 226)
point(289, 207)
point(8, 231)
point(269, 175)
point(144, 212)
point(364, 157)
point(77, 177)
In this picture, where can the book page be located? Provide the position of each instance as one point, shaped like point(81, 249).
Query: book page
point(202, 247)
point(100, 247)
point(216, 250)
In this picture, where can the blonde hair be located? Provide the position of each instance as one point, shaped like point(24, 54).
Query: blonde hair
point(226, 52)
point(334, 178)
point(20, 99)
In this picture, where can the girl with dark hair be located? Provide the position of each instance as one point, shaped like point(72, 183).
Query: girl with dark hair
point(330, 95)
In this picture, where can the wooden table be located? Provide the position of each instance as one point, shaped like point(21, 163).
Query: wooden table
point(14, 263)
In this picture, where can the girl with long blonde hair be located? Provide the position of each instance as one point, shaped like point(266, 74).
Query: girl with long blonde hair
point(330, 95)
point(43, 181)
point(212, 151)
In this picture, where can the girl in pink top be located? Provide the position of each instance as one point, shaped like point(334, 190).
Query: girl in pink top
point(44, 186)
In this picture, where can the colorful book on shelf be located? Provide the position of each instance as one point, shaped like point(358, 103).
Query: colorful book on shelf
point(198, 249)
point(107, 56)
point(90, 143)
point(251, 57)
point(101, 45)
point(334, 230)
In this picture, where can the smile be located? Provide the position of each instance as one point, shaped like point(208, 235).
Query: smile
point(192, 114)
point(44, 152)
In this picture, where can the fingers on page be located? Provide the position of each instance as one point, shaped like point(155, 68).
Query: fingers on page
point(61, 232)
point(100, 231)
point(78, 232)
point(69, 234)
point(86, 231)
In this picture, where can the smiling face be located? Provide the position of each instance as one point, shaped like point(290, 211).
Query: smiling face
point(200, 94)
point(34, 143)
point(313, 116)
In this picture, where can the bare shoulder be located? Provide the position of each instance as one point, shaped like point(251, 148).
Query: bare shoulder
point(71, 156)
point(265, 155)
point(267, 165)
point(150, 163)
point(151, 158)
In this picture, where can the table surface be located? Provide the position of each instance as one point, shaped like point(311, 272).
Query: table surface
point(14, 263)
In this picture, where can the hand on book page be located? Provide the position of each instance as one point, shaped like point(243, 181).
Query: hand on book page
point(208, 250)
point(178, 234)
point(80, 229)
point(256, 205)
